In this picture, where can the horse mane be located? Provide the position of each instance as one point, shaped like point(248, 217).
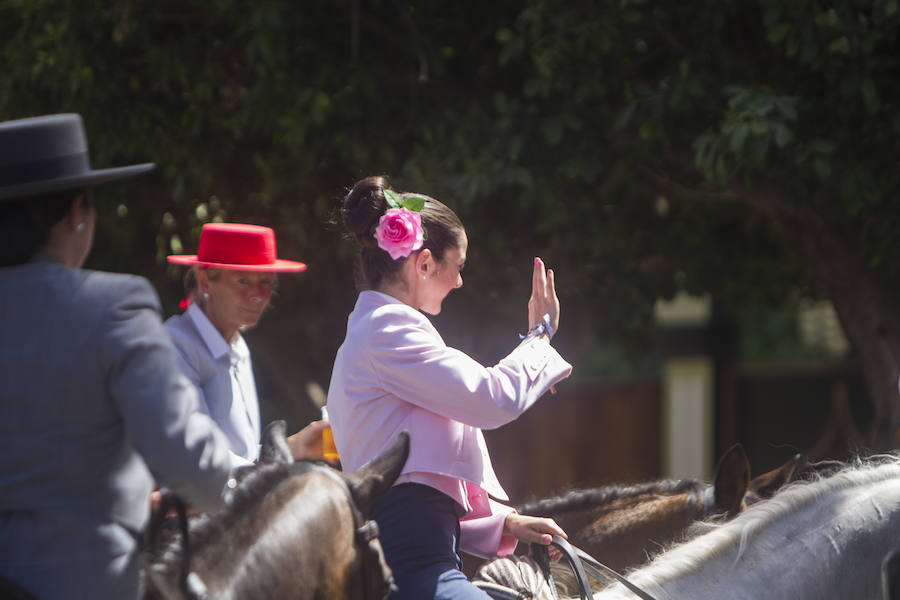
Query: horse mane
point(256, 482)
point(584, 499)
point(754, 521)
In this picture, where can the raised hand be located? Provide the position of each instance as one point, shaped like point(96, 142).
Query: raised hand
point(543, 299)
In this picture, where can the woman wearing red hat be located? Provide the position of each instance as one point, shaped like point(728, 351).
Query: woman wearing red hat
point(394, 372)
point(232, 279)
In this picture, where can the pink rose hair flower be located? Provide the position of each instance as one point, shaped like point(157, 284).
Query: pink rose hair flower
point(400, 232)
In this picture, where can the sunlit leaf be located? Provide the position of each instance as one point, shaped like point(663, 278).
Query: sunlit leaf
point(394, 200)
point(413, 203)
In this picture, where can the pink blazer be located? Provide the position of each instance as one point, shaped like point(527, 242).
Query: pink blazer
point(394, 372)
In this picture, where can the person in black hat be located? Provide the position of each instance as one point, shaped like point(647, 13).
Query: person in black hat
point(93, 409)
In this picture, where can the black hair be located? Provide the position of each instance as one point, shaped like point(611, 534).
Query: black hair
point(363, 207)
point(25, 223)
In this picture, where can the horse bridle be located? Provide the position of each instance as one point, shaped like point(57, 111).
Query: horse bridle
point(365, 535)
point(376, 576)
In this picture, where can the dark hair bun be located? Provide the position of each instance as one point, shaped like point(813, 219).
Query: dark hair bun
point(362, 208)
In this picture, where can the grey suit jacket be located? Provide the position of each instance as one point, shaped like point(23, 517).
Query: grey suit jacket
point(93, 409)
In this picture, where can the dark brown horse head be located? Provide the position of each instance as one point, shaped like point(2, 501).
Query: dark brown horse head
point(622, 525)
point(289, 530)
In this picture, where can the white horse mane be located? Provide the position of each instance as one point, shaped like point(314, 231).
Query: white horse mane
point(751, 542)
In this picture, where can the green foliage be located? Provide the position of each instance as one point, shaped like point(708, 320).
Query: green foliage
point(788, 97)
point(613, 139)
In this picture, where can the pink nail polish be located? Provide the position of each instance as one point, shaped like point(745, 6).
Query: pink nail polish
point(537, 260)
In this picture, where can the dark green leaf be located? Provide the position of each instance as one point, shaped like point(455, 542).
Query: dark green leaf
point(738, 137)
point(870, 95)
point(778, 32)
point(783, 135)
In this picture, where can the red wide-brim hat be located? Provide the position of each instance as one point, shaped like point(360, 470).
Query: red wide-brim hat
point(237, 247)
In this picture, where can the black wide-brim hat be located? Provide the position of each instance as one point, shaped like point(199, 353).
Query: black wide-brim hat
point(48, 154)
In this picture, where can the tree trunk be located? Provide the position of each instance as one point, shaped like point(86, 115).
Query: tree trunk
point(865, 312)
point(867, 315)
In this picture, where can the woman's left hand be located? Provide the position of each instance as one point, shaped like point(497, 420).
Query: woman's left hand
point(544, 300)
point(534, 530)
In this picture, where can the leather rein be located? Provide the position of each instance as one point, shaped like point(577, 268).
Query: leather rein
point(579, 559)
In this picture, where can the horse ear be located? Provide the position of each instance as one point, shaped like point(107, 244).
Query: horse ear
point(732, 479)
point(376, 477)
point(765, 485)
point(274, 446)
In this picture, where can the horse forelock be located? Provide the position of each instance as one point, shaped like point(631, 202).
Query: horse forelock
point(600, 497)
point(759, 540)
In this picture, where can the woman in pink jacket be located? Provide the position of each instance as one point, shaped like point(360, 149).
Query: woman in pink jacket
point(394, 372)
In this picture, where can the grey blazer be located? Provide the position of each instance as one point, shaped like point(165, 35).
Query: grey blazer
point(93, 409)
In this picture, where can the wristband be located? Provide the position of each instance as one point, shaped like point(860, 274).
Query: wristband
point(542, 326)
